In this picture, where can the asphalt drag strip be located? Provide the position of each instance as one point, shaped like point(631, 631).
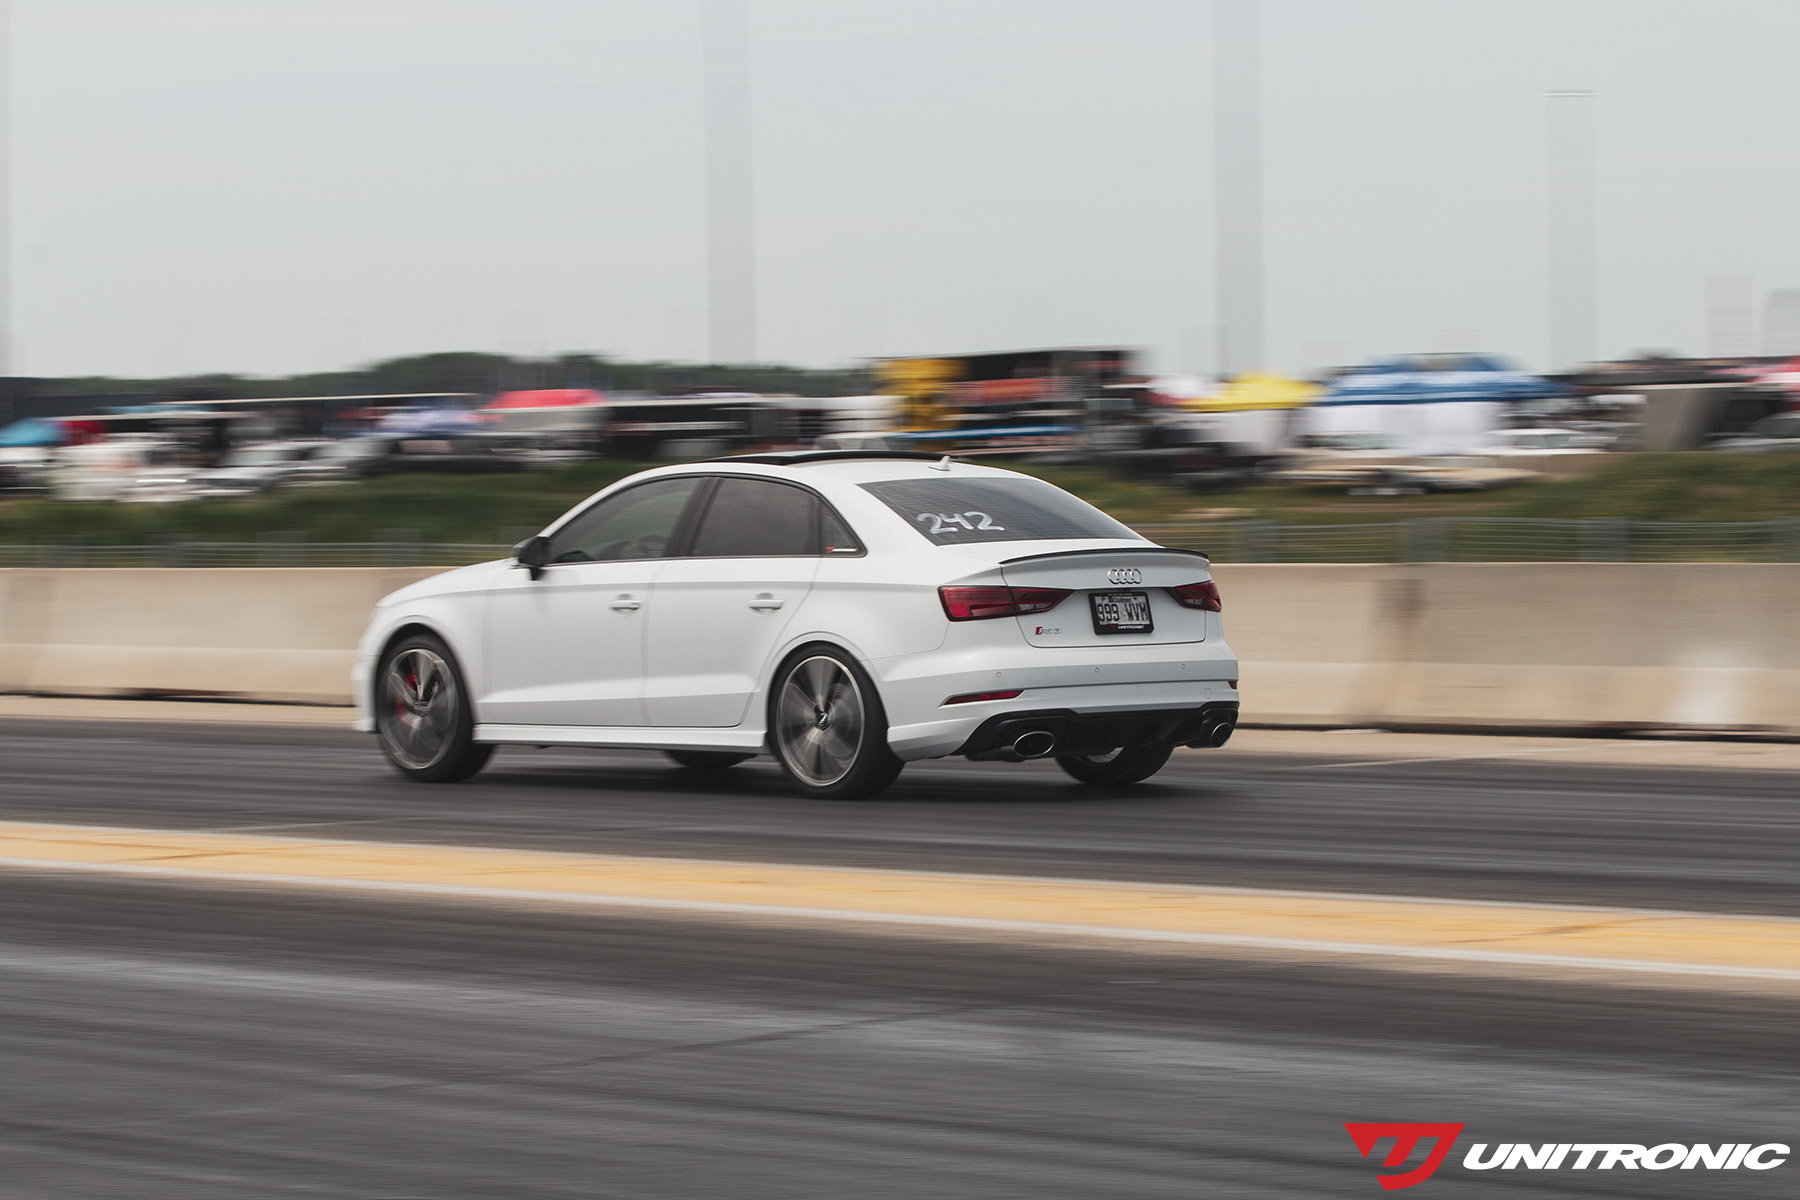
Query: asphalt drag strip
point(179, 1039)
point(1448, 934)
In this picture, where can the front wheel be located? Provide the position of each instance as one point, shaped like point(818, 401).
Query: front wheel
point(422, 715)
point(1133, 764)
point(828, 729)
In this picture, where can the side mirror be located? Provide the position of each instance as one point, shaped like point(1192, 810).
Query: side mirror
point(533, 553)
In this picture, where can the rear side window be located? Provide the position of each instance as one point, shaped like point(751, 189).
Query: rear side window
point(835, 536)
point(952, 511)
point(752, 518)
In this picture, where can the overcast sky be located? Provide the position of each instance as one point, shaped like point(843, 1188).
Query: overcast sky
point(273, 186)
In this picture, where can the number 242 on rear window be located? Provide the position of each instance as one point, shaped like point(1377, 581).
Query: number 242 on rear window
point(943, 523)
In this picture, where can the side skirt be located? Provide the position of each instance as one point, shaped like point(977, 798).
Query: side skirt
point(625, 737)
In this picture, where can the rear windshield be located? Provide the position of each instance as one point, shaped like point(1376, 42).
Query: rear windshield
point(953, 511)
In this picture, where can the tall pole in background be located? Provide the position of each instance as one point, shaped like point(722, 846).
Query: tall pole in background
point(1574, 273)
point(730, 215)
point(1237, 182)
point(6, 363)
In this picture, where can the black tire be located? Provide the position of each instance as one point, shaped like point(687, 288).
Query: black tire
point(705, 760)
point(423, 719)
point(1133, 764)
point(827, 727)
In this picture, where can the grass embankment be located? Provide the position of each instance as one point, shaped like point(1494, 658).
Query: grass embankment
point(495, 508)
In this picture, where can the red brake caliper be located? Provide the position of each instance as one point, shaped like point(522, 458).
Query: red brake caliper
point(412, 681)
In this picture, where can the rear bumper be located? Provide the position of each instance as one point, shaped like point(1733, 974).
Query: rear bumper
point(1098, 733)
point(1088, 680)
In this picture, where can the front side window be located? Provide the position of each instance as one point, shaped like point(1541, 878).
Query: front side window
point(950, 512)
point(755, 518)
point(637, 523)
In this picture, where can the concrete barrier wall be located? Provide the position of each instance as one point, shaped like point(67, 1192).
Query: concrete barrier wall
point(1514, 646)
point(1533, 645)
point(265, 634)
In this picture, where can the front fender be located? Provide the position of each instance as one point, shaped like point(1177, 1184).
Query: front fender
point(457, 620)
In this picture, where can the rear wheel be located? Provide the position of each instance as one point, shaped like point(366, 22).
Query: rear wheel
point(828, 729)
point(705, 760)
point(1133, 764)
point(422, 715)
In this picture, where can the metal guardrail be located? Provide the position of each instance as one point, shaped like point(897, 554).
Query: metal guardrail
point(286, 552)
point(1435, 539)
point(1490, 539)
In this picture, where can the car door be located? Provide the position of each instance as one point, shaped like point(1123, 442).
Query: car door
point(567, 648)
point(717, 613)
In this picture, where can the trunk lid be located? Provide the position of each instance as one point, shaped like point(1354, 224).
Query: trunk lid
point(1109, 588)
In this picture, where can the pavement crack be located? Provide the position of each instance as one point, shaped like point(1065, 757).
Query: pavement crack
point(700, 1047)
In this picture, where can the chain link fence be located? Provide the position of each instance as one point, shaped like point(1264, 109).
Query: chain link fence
point(1437, 539)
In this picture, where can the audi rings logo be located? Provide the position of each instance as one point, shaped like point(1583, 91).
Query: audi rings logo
point(1124, 575)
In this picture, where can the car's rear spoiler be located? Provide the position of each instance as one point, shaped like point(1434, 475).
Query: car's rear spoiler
point(1113, 550)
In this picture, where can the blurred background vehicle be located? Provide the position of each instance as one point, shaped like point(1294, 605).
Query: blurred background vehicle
point(393, 453)
point(27, 452)
point(1769, 435)
point(250, 470)
point(350, 458)
point(111, 469)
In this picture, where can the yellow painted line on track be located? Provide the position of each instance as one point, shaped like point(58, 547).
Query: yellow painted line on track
point(1447, 931)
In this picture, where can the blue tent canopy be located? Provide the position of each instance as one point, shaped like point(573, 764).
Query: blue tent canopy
point(1438, 379)
point(34, 431)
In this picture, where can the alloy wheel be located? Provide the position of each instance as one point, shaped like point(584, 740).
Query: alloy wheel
point(418, 710)
point(819, 719)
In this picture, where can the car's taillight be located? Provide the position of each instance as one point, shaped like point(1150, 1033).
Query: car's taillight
point(982, 603)
point(1198, 595)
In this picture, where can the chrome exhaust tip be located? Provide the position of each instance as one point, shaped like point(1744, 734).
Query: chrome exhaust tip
point(1214, 734)
point(1035, 744)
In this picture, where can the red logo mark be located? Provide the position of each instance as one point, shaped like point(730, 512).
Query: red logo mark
point(1406, 1135)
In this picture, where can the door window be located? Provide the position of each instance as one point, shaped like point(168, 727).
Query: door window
point(754, 518)
point(637, 523)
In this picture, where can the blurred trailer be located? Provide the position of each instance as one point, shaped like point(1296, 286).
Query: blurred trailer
point(1064, 397)
point(945, 390)
point(1685, 403)
point(199, 435)
point(1232, 432)
point(277, 417)
point(995, 441)
point(816, 417)
point(697, 426)
point(548, 415)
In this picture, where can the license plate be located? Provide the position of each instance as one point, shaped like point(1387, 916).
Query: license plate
point(1120, 612)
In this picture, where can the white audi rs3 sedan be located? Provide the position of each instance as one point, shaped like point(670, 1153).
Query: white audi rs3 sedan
point(842, 611)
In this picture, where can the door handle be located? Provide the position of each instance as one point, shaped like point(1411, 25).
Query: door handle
point(625, 604)
point(765, 602)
